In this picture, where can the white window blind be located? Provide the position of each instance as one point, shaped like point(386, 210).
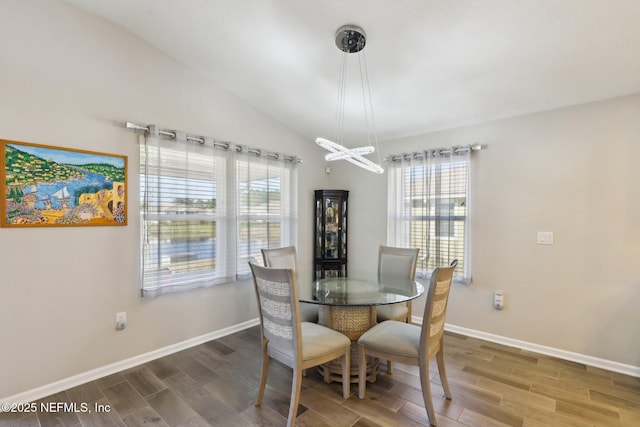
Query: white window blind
point(196, 228)
point(266, 206)
point(428, 208)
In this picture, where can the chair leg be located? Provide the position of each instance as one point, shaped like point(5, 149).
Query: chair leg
point(264, 372)
point(326, 374)
point(362, 371)
point(443, 373)
point(346, 373)
point(407, 320)
point(425, 383)
point(295, 397)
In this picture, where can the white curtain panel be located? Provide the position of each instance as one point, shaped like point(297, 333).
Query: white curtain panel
point(267, 204)
point(428, 207)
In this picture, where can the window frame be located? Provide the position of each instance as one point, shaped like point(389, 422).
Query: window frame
point(225, 219)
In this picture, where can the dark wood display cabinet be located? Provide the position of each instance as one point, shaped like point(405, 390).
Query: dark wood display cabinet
point(330, 234)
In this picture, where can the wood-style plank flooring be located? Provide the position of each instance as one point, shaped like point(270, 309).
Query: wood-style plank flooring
point(215, 384)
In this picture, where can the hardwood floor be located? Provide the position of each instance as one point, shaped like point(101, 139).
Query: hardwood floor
point(215, 384)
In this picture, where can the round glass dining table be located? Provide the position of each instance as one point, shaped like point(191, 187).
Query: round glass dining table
point(348, 305)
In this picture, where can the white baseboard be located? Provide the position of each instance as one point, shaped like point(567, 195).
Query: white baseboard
point(94, 374)
point(609, 365)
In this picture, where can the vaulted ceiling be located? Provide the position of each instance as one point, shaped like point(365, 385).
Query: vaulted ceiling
point(432, 64)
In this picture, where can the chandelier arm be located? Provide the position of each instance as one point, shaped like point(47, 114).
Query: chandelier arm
point(338, 152)
point(339, 155)
point(365, 164)
point(329, 145)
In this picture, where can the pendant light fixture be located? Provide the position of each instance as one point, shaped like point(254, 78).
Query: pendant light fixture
point(352, 39)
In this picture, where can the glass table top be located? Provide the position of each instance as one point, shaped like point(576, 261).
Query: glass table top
point(358, 291)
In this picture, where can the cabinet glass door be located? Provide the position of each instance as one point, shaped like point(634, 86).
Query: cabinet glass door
point(330, 236)
point(332, 227)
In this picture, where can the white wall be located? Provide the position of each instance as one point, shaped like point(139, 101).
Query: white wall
point(71, 80)
point(572, 171)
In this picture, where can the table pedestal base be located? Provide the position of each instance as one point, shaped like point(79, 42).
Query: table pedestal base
point(352, 321)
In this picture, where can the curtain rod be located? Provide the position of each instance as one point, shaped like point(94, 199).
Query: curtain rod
point(434, 152)
point(225, 145)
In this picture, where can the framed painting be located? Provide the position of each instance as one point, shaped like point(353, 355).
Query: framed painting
point(46, 186)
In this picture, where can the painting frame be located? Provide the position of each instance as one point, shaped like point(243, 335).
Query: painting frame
point(49, 186)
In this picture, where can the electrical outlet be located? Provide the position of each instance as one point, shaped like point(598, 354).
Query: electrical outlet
point(498, 300)
point(121, 320)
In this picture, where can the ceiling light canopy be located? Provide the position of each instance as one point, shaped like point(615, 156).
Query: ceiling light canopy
point(352, 39)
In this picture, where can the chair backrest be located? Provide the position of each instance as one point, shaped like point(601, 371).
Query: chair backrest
point(285, 257)
point(277, 294)
point(436, 308)
point(397, 262)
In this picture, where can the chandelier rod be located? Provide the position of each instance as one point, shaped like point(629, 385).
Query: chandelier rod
point(352, 39)
point(365, 81)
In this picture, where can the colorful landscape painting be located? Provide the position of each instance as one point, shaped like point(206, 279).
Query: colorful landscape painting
point(46, 186)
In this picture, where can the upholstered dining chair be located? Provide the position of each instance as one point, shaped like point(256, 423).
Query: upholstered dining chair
point(396, 262)
point(286, 257)
point(299, 345)
point(411, 344)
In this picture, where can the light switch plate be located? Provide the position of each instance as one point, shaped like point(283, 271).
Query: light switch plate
point(121, 320)
point(545, 237)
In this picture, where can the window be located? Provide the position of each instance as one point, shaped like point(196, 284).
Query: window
point(207, 209)
point(428, 208)
point(267, 212)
